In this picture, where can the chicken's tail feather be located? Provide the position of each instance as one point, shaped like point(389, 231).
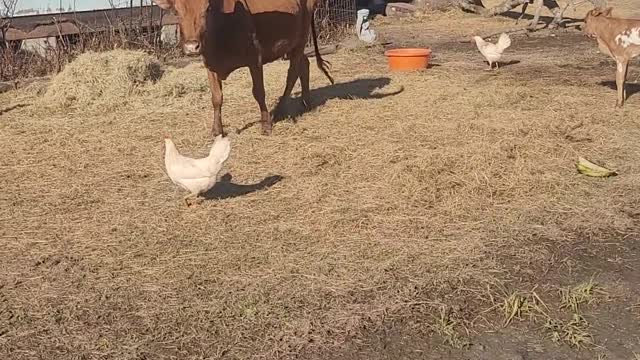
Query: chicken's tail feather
point(504, 41)
point(220, 149)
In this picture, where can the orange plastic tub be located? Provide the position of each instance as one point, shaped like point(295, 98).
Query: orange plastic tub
point(408, 59)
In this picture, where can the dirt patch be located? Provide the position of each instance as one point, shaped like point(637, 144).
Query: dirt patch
point(611, 320)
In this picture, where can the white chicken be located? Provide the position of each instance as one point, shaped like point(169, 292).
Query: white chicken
point(195, 175)
point(493, 52)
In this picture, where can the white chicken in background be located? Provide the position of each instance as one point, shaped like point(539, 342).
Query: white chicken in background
point(493, 52)
point(196, 175)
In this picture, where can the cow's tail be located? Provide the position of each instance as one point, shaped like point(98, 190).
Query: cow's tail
point(322, 64)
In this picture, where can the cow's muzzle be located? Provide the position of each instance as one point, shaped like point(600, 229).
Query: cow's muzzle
point(191, 48)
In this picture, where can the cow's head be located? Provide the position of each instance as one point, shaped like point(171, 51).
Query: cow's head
point(590, 27)
point(192, 15)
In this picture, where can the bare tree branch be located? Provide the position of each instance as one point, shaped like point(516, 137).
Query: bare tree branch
point(474, 6)
point(7, 11)
point(8, 8)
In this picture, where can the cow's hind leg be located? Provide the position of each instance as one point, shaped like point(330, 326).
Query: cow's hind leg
point(292, 77)
point(621, 77)
point(258, 93)
point(216, 99)
point(296, 65)
point(304, 80)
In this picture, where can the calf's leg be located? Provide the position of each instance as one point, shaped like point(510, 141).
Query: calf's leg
point(536, 17)
point(621, 77)
point(258, 93)
point(216, 99)
point(524, 10)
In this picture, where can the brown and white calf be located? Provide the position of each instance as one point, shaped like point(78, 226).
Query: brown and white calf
point(619, 38)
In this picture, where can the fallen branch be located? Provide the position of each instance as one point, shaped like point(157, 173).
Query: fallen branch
point(7, 86)
point(507, 5)
point(324, 50)
point(476, 7)
point(510, 31)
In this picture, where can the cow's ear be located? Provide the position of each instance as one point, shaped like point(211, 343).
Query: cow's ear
point(164, 4)
point(607, 11)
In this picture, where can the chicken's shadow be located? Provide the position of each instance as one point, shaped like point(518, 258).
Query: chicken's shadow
point(507, 63)
point(631, 88)
point(225, 189)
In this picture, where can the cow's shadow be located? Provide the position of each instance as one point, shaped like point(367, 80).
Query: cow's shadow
point(355, 89)
point(631, 88)
point(225, 189)
point(292, 108)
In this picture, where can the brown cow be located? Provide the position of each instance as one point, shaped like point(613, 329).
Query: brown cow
point(231, 34)
point(619, 38)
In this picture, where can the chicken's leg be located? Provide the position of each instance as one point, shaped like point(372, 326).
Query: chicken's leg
point(186, 198)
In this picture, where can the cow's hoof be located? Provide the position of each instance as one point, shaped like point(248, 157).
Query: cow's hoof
point(266, 128)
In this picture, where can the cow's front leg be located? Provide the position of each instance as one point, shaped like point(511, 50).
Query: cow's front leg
point(621, 77)
point(216, 99)
point(259, 95)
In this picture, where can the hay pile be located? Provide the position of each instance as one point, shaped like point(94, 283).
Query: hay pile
point(106, 79)
point(177, 83)
point(113, 79)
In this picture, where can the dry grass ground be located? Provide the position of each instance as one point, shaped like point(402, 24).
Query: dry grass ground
point(397, 219)
point(624, 8)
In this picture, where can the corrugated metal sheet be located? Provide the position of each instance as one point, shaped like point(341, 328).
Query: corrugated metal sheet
point(46, 25)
